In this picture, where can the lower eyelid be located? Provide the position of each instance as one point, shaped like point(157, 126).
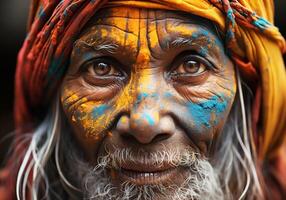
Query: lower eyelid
point(186, 75)
point(189, 80)
point(103, 82)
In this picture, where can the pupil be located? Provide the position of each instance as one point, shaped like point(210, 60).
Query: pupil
point(192, 66)
point(101, 68)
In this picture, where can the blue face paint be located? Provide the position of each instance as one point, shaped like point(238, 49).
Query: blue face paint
point(211, 41)
point(207, 112)
point(141, 96)
point(168, 95)
point(98, 111)
point(204, 32)
point(203, 51)
point(149, 119)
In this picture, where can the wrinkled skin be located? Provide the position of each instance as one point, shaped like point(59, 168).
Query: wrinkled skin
point(147, 79)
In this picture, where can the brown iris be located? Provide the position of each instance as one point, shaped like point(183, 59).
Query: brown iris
point(101, 68)
point(192, 66)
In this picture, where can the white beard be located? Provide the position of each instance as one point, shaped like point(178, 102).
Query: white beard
point(202, 181)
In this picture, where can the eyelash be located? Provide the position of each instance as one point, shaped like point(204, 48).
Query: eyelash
point(108, 60)
point(189, 55)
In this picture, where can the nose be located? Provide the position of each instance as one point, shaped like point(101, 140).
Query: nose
point(145, 126)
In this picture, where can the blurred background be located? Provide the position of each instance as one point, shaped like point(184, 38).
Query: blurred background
point(13, 19)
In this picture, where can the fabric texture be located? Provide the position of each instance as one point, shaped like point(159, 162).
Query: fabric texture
point(253, 43)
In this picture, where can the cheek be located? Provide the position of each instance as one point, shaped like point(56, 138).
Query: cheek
point(208, 114)
point(89, 118)
point(208, 111)
point(211, 112)
point(93, 118)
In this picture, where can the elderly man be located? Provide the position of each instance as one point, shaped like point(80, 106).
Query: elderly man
point(149, 100)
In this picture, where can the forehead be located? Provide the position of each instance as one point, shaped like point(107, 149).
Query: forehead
point(124, 15)
point(125, 26)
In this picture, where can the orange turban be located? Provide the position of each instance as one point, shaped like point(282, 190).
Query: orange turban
point(255, 45)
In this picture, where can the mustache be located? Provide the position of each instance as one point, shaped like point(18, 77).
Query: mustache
point(171, 157)
point(201, 183)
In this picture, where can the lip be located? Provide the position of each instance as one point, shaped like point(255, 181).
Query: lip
point(145, 174)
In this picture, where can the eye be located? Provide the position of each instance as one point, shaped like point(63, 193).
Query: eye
point(102, 68)
point(104, 71)
point(190, 69)
point(191, 65)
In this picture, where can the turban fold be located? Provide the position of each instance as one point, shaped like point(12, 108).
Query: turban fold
point(254, 44)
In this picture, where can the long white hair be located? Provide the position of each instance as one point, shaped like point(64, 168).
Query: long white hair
point(234, 160)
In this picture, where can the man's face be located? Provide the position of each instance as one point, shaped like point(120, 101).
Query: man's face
point(150, 82)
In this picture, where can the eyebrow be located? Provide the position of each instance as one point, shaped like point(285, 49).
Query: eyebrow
point(201, 42)
point(104, 46)
point(180, 42)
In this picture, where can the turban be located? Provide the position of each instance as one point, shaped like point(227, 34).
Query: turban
point(251, 39)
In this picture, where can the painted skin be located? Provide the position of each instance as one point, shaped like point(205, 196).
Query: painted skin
point(145, 79)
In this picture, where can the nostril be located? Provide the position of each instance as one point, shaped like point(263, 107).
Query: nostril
point(143, 139)
point(161, 137)
point(129, 138)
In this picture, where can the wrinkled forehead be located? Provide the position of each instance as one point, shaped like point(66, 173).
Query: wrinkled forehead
point(145, 14)
point(123, 26)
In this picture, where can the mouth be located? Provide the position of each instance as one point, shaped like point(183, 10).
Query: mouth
point(143, 174)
